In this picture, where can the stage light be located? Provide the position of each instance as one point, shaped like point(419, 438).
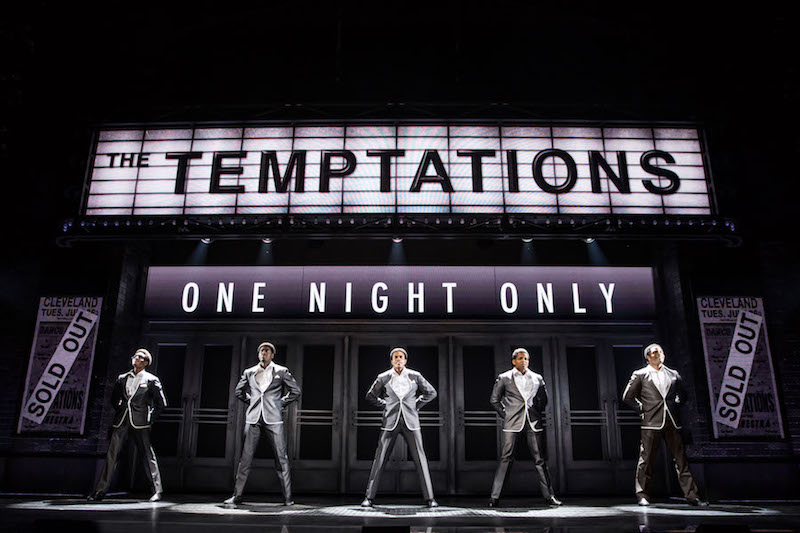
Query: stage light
point(397, 239)
point(588, 240)
point(267, 240)
point(527, 239)
point(206, 240)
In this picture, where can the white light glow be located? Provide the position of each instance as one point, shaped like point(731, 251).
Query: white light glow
point(132, 175)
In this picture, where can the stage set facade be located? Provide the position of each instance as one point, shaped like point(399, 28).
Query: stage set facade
point(500, 189)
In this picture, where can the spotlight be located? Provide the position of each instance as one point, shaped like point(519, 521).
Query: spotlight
point(267, 240)
point(588, 240)
point(527, 239)
point(397, 239)
point(206, 240)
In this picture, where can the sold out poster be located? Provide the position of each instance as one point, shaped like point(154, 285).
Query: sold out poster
point(741, 379)
point(60, 365)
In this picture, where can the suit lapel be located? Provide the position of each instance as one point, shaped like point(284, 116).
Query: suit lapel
point(138, 387)
point(390, 389)
point(124, 383)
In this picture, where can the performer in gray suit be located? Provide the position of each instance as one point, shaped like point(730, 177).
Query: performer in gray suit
point(519, 396)
point(267, 389)
point(137, 397)
point(400, 392)
point(655, 392)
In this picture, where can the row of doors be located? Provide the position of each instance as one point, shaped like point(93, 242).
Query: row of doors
point(592, 441)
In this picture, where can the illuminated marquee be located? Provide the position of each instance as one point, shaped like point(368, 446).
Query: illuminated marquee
point(401, 168)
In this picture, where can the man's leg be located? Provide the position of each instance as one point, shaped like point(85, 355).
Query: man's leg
point(650, 441)
point(277, 439)
point(149, 458)
point(252, 432)
point(382, 452)
point(118, 437)
point(414, 441)
point(506, 460)
point(676, 449)
point(545, 485)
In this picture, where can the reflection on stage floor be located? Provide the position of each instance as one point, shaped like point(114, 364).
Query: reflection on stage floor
point(344, 514)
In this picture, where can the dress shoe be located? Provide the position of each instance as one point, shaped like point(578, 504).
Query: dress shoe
point(366, 503)
point(644, 502)
point(288, 503)
point(96, 496)
point(697, 503)
point(156, 497)
point(233, 500)
point(494, 502)
point(432, 504)
point(553, 501)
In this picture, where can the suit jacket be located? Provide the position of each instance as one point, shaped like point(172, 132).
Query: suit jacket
point(516, 411)
point(382, 396)
point(141, 408)
point(268, 406)
point(642, 394)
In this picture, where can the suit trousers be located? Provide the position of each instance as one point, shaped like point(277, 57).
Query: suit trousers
point(651, 440)
point(507, 460)
point(386, 442)
point(277, 440)
point(118, 438)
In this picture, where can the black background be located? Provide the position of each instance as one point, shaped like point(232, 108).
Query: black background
point(68, 67)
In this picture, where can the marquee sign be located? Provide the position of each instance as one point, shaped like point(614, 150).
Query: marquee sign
point(401, 292)
point(398, 168)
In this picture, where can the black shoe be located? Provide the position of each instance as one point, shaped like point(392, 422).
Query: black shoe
point(233, 500)
point(366, 503)
point(96, 496)
point(288, 503)
point(697, 503)
point(644, 502)
point(552, 501)
point(432, 504)
point(494, 502)
point(156, 497)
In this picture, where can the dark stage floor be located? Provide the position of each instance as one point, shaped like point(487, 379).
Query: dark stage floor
point(196, 513)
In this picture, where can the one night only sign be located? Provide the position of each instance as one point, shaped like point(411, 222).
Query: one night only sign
point(741, 379)
point(398, 168)
point(401, 292)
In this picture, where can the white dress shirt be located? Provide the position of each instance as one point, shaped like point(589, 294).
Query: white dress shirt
point(132, 383)
point(264, 376)
point(660, 379)
point(527, 385)
point(400, 383)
